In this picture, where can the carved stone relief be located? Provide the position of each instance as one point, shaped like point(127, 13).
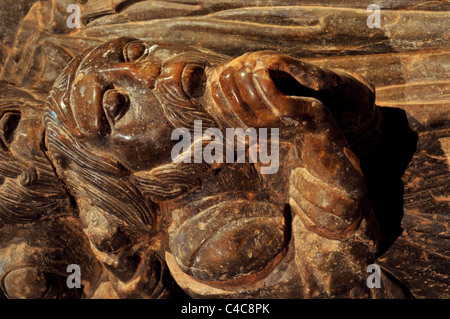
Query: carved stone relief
point(88, 128)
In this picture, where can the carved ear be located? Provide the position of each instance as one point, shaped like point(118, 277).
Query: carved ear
point(8, 124)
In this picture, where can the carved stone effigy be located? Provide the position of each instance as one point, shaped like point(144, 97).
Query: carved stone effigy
point(89, 175)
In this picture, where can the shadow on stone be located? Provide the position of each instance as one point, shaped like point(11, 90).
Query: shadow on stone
point(383, 169)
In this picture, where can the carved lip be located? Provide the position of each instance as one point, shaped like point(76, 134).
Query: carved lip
point(260, 88)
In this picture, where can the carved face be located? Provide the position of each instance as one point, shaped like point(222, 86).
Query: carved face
point(123, 94)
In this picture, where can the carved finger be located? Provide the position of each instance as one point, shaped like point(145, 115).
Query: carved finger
point(350, 98)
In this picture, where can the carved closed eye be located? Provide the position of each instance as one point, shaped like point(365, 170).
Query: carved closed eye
point(134, 51)
point(193, 80)
point(115, 104)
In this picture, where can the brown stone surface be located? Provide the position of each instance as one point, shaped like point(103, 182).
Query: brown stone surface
point(230, 232)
